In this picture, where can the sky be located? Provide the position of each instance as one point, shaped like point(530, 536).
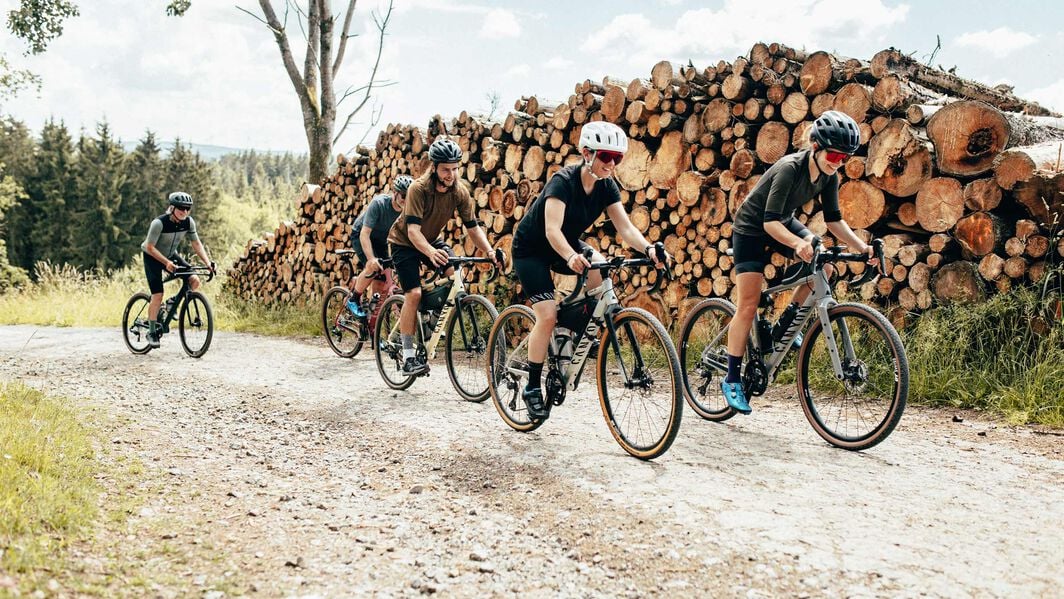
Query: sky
point(215, 75)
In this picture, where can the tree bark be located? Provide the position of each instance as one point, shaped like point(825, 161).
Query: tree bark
point(967, 137)
point(899, 160)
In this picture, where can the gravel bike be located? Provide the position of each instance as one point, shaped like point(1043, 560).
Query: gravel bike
point(852, 371)
point(195, 321)
point(464, 331)
point(346, 332)
point(637, 368)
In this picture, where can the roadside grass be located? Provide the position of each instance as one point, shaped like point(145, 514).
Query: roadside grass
point(63, 296)
point(48, 486)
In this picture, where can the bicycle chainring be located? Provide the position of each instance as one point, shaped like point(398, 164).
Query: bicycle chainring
point(755, 378)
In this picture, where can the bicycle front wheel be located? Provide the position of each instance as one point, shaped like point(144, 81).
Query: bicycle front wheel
point(467, 346)
point(388, 345)
point(135, 323)
point(704, 357)
point(508, 366)
point(639, 384)
point(344, 331)
point(860, 406)
point(196, 324)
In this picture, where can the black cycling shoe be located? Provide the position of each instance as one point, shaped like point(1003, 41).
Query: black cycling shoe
point(534, 400)
point(414, 367)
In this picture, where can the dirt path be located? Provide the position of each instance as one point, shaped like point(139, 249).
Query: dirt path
point(276, 468)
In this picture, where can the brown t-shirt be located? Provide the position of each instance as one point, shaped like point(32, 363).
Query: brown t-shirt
point(431, 209)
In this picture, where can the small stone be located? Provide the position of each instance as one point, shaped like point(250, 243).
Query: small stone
point(957, 418)
point(297, 563)
point(254, 513)
point(477, 555)
point(416, 490)
point(169, 535)
point(981, 433)
point(235, 494)
point(53, 585)
point(486, 568)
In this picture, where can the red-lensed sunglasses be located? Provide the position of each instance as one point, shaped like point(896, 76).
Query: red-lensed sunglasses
point(608, 157)
point(835, 157)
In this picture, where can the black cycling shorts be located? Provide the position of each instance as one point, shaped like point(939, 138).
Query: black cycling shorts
point(752, 252)
point(380, 250)
point(534, 272)
point(153, 269)
point(407, 263)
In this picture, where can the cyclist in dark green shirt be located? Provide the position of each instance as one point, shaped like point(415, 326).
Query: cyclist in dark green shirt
point(765, 222)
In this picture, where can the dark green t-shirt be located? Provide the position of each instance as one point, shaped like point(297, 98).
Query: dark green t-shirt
point(581, 211)
point(782, 190)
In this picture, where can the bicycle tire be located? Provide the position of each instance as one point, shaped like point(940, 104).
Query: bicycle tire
point(337, 322)
point(664, 359)
point(814, 401)
point(508, 335)
point(701, 390)
point(193, 310)
point(136, 332)
point(474, 348)
point(388, 352)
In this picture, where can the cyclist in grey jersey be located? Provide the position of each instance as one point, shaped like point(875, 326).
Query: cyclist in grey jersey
point(160, 252)
point(765, 222)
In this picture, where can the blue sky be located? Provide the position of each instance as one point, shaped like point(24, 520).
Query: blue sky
point(215, 77)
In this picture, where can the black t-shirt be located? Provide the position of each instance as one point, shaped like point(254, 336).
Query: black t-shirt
point(581, 211)
point(781, 191)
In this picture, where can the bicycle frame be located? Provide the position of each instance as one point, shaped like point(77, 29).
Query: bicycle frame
point(584, 340)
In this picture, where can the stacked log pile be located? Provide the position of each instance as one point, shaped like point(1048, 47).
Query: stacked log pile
point(962, 181)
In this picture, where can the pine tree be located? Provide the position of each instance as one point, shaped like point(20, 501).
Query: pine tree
point(52, 190)
point(143, 195)
point(186, 171)
point(98, 236)
point(17, 151)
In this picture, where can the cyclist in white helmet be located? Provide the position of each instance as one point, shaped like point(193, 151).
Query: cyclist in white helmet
point(548, 237)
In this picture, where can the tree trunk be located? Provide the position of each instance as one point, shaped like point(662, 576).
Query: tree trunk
point(899, 160)
point(980, 233)
point(940, 204)
point(967, 137)
point(959, 283)
point(862, 204)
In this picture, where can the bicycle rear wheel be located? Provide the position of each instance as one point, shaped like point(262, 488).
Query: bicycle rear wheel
point(704, 357)
point(862, 409)
point(135, 323)
point(196, 324)
point(639, 384)
point(344, 331)
point(467, 346)
point(508, 366)
point(388, 345)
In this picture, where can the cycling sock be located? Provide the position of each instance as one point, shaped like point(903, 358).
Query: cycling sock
point(735, 365)
point(408, 346)
point(535, 375)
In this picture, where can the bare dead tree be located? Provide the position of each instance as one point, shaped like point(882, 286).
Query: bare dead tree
point(315, 86)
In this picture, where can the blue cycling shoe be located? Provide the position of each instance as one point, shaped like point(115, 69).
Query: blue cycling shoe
point(355, 308)
point(735, 396)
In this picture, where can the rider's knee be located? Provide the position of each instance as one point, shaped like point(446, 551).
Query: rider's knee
point(414, 295)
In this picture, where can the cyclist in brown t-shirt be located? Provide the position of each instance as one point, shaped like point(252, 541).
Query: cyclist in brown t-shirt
point(431, 202)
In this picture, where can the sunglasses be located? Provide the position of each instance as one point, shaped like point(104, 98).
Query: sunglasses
point(608, 157)
point(176, 208)
point(835, 157)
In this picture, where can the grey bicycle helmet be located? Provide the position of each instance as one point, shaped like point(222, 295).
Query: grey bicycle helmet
point(445, 150)
point(403, 183)
point(836, 130)
point(180, 199)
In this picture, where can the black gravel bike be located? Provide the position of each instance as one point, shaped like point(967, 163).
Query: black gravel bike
point(195, 321)
point(852, 370)
point(637, 369)
point(464, 332)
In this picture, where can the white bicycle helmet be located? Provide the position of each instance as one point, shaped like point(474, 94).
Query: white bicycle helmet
point(600, 135)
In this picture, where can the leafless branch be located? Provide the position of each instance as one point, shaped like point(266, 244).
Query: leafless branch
point(350, 91)
point(382, 25)
point(261, 20)
point(374, 119)
point(343, 37)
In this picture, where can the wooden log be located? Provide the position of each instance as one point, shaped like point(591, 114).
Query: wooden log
point(662, 75)
point(613, 104)
point(717, 115)
point(982, 194)
point(693, 128)
point(899, 160)
point(855, 100)
point(920, 277)
point(1015, 267)
point(671, 159)
point(743, 163)
point(967, 137)
point(689, 187)
point(907, 214)
point(980, 233)
point(895, 94)
point(633, 173)
point(773, 141)
point(1042, 197)
point(795, 108)
point(862, 204)
point(637, 89)
point(939, 204)
point(534, 162)
point(736, 87)
point(958, 283)
point(819, 73)
point(991, 267)
point(1017, 165)
point(855, 167)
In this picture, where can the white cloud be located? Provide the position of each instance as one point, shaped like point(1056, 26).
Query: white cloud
point(1050, 96)
point(670, 2)
point(738, 24)
point(1000, 42)
point(520, 70)
point(557, 63)
point(499, 24)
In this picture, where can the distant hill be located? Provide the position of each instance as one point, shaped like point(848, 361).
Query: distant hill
point(207, 151)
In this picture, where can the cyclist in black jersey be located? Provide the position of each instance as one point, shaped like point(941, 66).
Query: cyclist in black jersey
point(548, 237)
point(765, 222)
point(160, 251)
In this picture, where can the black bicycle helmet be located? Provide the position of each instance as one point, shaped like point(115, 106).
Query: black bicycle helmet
point(837, 131)
point(445, 150)
point(403, 183)
point(180, 199)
